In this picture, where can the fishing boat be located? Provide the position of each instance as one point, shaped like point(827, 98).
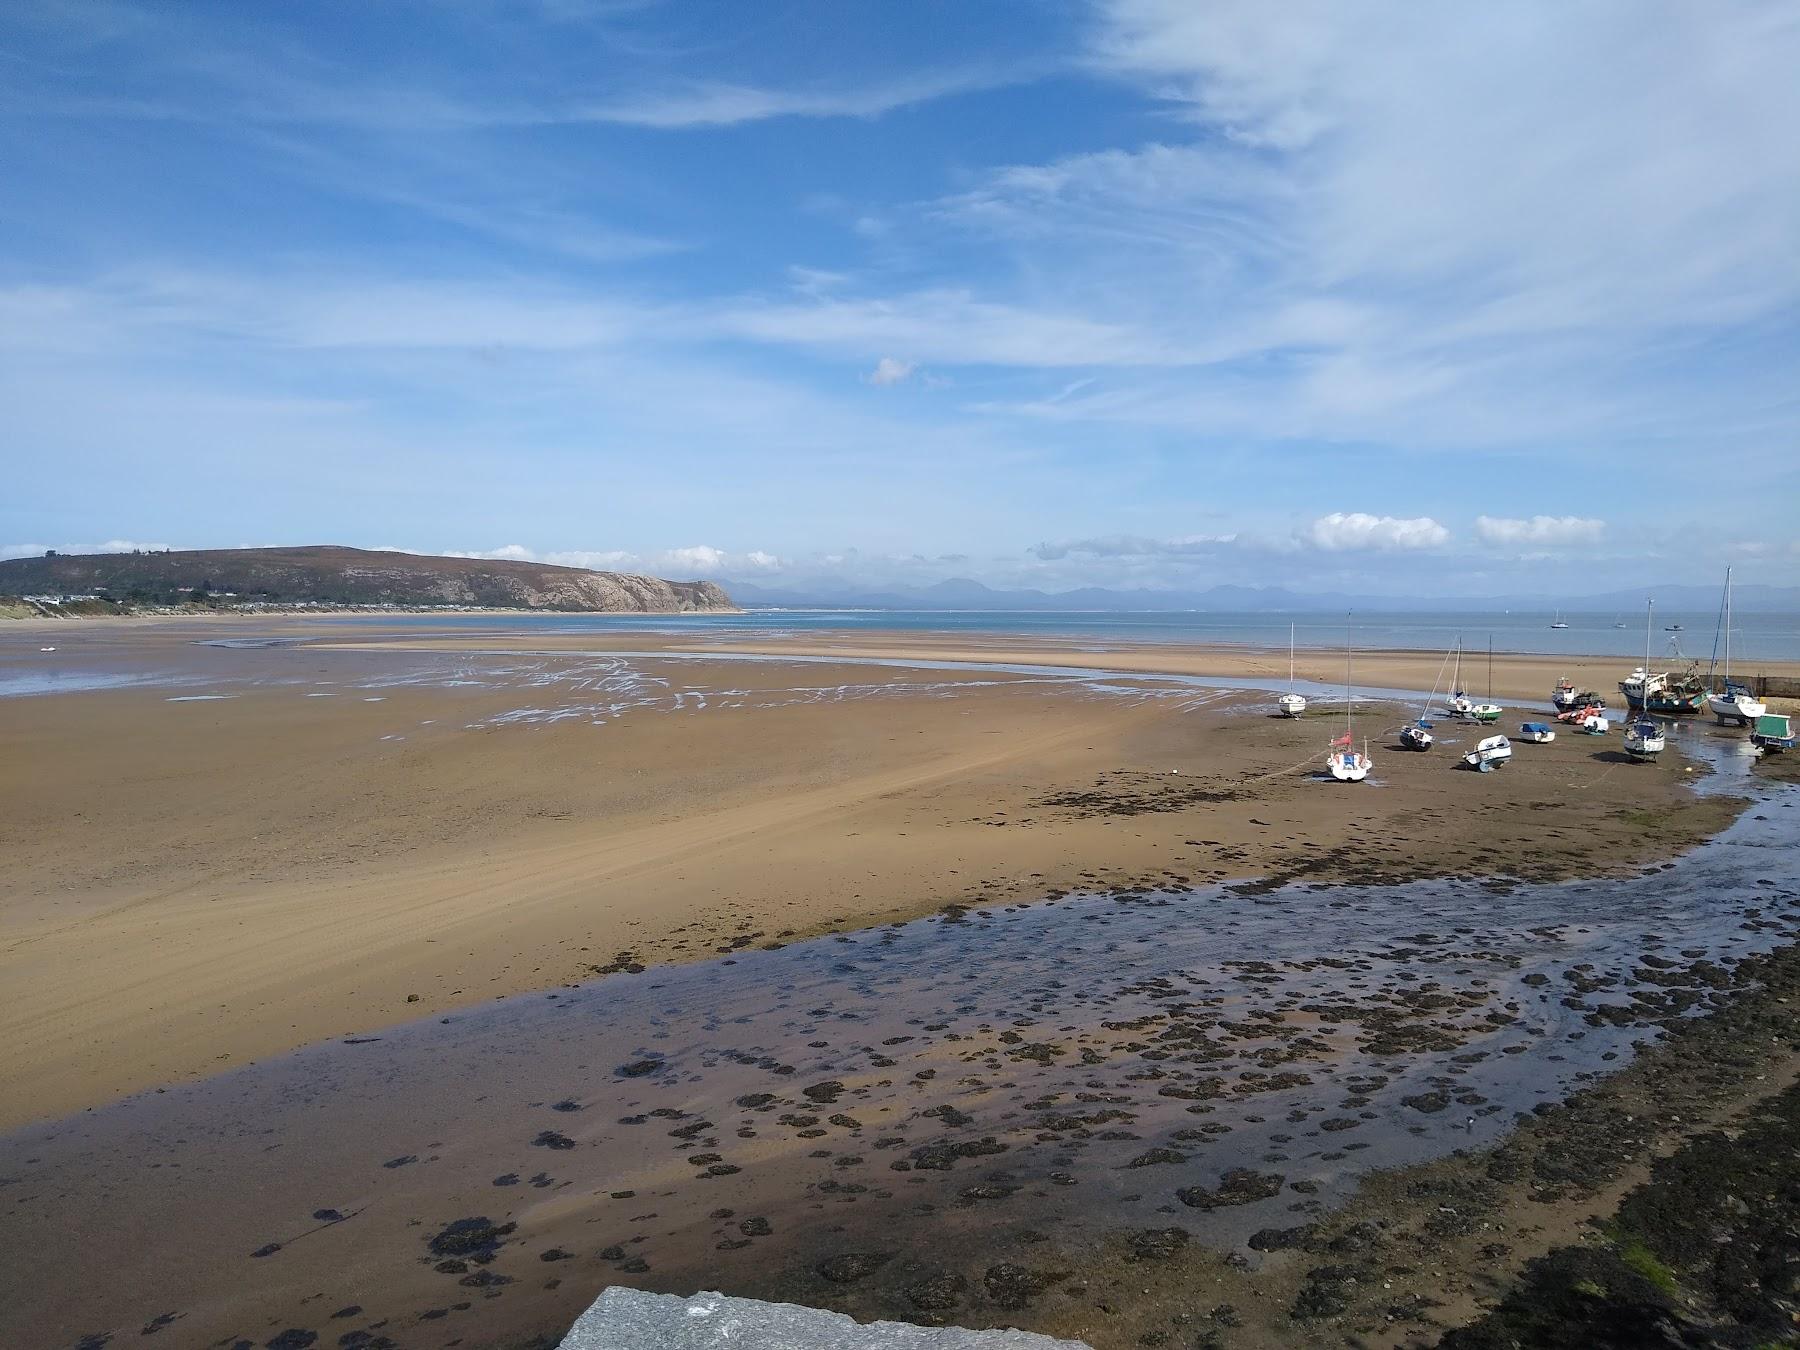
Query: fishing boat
point(1343, 761)
point(1291, 703)
point(1671, 694)
point(1563, 696)
point(1774, 732)
point(1488, 711)
point(1539, 733)
point(1733, 701)
point(1489, 754)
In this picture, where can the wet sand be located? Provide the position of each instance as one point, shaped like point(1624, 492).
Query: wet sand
point(257, 845)
point(1129, 1114)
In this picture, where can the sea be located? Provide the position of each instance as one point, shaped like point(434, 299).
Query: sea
point(1676, 636)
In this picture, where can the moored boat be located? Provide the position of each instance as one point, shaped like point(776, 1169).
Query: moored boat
point(1563, 696)
point(1774, 732)
point(1292, 704)
point(1733, 701)
point(1489, 754)
point(1644, 739)
point(1342, 761)
point(1540, 733)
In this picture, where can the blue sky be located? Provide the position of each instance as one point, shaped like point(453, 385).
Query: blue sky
point(1137, 292)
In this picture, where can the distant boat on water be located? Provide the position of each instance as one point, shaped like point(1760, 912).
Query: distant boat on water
point(1559, 621)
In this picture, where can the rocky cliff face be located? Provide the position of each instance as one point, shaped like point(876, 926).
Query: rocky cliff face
point(354, 576)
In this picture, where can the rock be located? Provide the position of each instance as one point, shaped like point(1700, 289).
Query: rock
point(849, 1267)
point(632, 1319)
point(937, 1294)
point(1239, 1186)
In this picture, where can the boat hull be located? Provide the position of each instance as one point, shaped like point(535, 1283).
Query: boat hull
point(1291, 705)
point(1348, 767)
point(1743, 711)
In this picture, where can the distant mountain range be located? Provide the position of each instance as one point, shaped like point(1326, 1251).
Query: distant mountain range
point(964, 594)
point(327, 574)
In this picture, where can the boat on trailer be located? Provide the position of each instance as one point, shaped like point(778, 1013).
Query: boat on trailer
point(1774, 734)
point(1539, 733)
point(1489, 754)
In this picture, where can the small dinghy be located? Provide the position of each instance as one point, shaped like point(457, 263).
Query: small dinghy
point(1540, 733)
point(1593, 723)
point(1489, 754)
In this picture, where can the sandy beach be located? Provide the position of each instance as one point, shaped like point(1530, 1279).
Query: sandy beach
point(278, 844)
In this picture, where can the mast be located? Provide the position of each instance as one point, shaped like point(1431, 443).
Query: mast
point(1490, 667)
point(1728, 627)
point(1348, 704)
point(1290, 658)
point(1644, 688)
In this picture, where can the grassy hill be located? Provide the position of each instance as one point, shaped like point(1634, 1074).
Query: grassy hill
point(327, 574)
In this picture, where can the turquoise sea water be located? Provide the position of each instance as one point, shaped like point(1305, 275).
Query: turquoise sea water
point(1768, 637)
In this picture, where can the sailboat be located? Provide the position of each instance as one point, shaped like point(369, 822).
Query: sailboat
point(1460, 703)
point(1291, 703)
point(1559, 621)
point(1733, 702)
point(1345, 764)
point(1644, 738)
point(1489, 711)
point(1416, 734)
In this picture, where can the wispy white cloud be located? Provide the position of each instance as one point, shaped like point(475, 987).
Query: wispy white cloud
point(1133, 546)
point(889, 370)
point(1539, 531)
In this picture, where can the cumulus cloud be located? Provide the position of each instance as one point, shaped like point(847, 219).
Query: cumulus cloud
point(1539, 531)
point(888, 370)
point(1343, 531)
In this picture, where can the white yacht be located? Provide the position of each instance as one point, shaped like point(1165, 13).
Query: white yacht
point(1291, 703)
point(1733, 701)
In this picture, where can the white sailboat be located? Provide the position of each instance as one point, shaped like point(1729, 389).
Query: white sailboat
point(1559, 621)
point(1344, 762)
point(1644, 738)
point(1291, 703)
point(1733, 702)
point(1460, 703)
